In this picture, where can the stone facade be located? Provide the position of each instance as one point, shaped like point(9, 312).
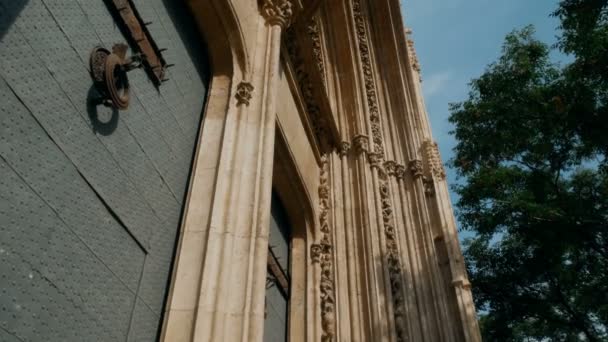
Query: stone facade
point(321, 101)
point(125, 214)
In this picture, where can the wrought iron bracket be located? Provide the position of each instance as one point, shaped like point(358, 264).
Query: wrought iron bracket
point(109, 73)
point(135, 29)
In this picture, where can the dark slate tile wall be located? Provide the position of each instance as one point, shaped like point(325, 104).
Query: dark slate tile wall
point(90, 198)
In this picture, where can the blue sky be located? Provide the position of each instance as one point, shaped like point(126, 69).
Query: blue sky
point(456, 40)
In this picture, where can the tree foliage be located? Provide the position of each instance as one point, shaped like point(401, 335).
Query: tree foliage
point(532, 141)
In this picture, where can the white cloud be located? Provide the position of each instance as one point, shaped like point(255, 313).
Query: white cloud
point(435, 83)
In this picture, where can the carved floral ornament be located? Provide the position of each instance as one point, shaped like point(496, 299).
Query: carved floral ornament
point(322, 252)
point(370, 85)
point(434, 159)
point(394, 264)
point(243, 93)
point(278, 12)
point(412, 51)
point(390, 167)
point(344, 148)
point(317, 49)
point(307, 88)
point(416, 168)
point(399, 171)
point(361, 144)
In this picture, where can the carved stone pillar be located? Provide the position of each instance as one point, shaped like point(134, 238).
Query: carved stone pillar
point(219, 286)
point(278, 15)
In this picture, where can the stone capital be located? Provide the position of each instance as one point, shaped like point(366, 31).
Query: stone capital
point(361, 144)
point(278, 12)
point(344, 148)
point(375, 160)
point(315, 252)
point(400, 171)
point(416, 168)
point(390, 166)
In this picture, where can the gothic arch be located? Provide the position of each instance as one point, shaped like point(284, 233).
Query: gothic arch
point(222, 29)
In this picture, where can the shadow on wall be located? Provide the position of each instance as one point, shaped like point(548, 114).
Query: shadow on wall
point(104, 119)
point(9, 11)
point(183, 20)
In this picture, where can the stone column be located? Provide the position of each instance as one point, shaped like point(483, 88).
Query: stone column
point(278, 15)
point(224, 281)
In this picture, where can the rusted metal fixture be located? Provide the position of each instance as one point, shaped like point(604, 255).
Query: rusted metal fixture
point(276, 274)
point(109, 73)
point(136, 31)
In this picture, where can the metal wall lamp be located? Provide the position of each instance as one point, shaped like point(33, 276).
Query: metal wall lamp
point(109, 69)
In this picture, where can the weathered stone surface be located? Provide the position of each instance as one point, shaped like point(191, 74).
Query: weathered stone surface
point(376, 254)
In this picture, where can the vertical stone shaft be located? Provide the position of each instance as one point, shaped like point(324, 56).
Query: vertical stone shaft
point(440, 212)
point(232, 291)
point(352, 246)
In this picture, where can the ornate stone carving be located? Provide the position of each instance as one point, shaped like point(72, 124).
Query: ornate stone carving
point(328, 302)
point(413, 56)
point(319, 123)
point(390, 167)
point(243, 93)
point(278, 12)
point(375, 160)
point(344, 148)
point(361, 144)
point(395, 271)
point(434, 159)
point(429, 186)
point(399, 171)
point(393, 263)
point(315, 252)
point(416, 168)
point(412, 52)
point(368, 76)
point(317, 48)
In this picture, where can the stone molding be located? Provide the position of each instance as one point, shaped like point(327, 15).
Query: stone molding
point(278, 12)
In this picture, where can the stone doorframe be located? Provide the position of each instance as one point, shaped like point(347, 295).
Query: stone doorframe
point(289, 186)
point(218, 283)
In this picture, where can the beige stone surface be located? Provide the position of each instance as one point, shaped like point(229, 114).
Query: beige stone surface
point(320, 101)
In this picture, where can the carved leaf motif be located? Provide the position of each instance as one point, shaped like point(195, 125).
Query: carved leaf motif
point(325, 255)
point(278, 12)
point(243, 93)
point(434, 159)
point(370, 86)
point(393, 262)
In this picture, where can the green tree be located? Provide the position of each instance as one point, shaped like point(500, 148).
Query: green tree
point(532, 141)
